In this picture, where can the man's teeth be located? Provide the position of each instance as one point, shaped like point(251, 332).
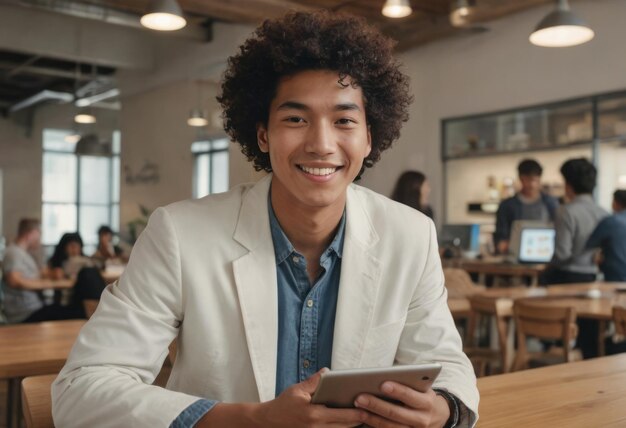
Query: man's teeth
point(318, 171)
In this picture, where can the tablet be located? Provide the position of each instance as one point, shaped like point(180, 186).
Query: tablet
point(339, 388)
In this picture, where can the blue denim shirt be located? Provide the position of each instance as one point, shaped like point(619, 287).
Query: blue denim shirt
point(306, 315)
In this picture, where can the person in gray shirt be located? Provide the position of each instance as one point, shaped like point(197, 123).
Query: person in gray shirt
point(22, 280)
point(574, 223)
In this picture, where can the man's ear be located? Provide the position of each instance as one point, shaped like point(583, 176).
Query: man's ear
point(261, 137)
point(369, 142)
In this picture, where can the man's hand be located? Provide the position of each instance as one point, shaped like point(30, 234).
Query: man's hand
point(419, 409)
point(292, 408)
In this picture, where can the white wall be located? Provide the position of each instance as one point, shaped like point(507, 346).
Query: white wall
point(497, 70)
point(154, 129)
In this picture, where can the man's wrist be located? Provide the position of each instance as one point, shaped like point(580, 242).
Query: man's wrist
point(453, 407)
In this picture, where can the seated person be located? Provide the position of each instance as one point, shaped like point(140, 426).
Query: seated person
point(106, 249)
point(68, 258)
point(265, 285)
point(610, 237)
point(22, 280)
point(574, 223)
point(529, 204)
point(66, 262)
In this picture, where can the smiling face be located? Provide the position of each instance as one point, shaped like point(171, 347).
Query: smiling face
point(317, 138)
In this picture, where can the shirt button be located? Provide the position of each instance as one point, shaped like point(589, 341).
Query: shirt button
point(306, 364)
point(309, 303)
point(296, 259)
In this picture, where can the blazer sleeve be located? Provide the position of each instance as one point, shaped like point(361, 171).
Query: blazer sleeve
point(430, 334)
point(107, 378)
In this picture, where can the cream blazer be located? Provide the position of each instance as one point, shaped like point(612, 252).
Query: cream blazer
point(204, 270)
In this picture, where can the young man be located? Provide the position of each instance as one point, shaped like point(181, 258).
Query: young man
point(572, 261)
point(529, 204)
point(267, 284)
point(22, 280)
point(610, 236)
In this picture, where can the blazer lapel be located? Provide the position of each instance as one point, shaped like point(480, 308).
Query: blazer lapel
point(358, 286)
point(255, 278)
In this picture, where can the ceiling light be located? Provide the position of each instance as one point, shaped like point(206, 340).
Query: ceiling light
point(90, 145)
point(397, 8)
point(85, 118)
point(164, 15)
point(561, 28)
point(460, 12)
point(197, 118)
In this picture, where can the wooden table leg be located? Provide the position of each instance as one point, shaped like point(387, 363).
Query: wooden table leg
point(601, 330)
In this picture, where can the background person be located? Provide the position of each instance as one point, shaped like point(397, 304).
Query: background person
point(106, 248)
point(573, 261)
point(412, 189)
point(610, 237)
point(22, 280)
point(530, 203)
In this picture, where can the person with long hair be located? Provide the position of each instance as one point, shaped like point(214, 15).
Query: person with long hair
point(412, 189)
point(62, 264)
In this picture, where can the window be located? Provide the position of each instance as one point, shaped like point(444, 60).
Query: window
point(210, 167)
point(80, 192)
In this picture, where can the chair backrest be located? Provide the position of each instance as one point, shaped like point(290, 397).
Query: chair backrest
point(37, 402)
point(498, 309)
point(459, 283)
point(544, 322)
point(619, 318)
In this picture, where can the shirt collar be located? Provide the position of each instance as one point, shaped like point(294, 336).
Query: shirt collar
point(283, 247)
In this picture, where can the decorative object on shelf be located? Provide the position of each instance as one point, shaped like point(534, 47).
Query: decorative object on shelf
point(561, 28)
point(147, 174)
point(163, 15)
point(460, 12)
point(493, 195)
point(397, 8)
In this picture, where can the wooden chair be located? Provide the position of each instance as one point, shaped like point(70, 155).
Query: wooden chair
point(459, 283)
point(37, 402)
point(487, 308)
point(619, 318)
point(545, 322)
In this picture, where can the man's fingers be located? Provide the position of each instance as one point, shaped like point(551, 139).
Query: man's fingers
point(309, 385)
point(407, 395)
point(395, 414)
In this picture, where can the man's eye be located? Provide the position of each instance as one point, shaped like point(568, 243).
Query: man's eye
point(345, 121)
point(294, 119)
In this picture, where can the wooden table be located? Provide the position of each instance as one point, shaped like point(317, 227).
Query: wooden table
point(496, 266)
point(589, 393)
point(37, 402)
point(568, 295)
point(33, 349)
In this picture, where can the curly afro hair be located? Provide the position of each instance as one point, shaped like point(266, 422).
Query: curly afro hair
point(314, 41)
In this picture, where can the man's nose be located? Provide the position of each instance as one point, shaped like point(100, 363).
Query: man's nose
point(320, 139)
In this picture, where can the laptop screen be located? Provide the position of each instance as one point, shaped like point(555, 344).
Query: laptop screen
point(536, 245)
